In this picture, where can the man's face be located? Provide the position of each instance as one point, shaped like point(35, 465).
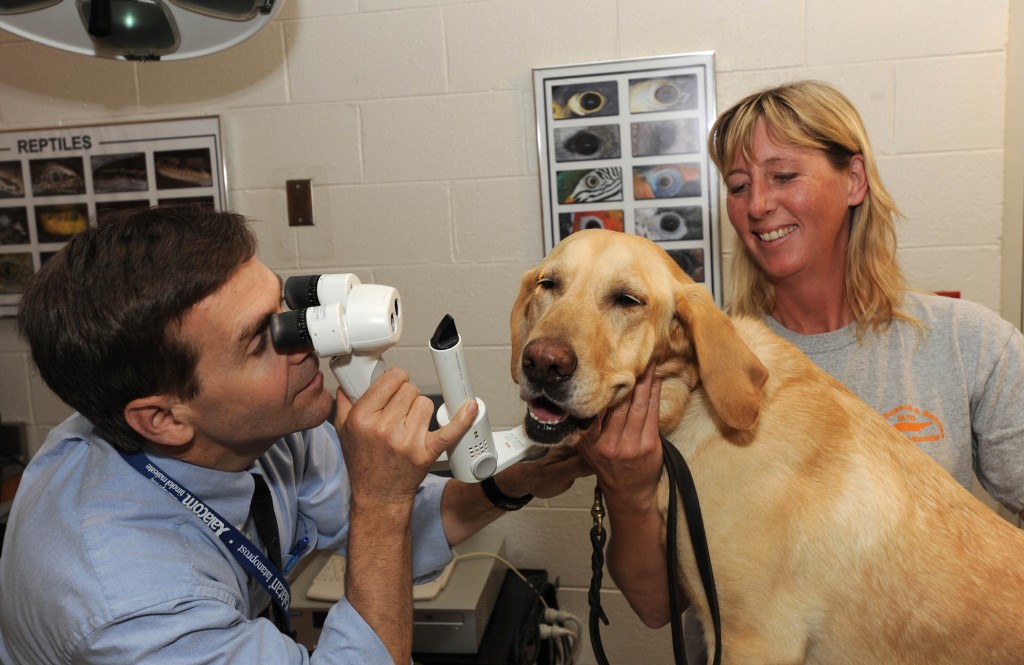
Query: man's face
point(250, 393)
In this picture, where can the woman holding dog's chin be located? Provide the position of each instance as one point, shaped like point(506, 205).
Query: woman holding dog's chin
point(625, 452)
point(816, 259)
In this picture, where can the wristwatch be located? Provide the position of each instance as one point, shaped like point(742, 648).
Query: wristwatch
point(500, 499)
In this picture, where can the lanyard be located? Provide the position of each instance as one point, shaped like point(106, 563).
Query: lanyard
point(247, 554)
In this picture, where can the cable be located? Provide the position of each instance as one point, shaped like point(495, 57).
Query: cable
point(548, 631)
point(564, 642)
point(509, 564)
point(555, 618)
point(558, 616)
point(561, 634)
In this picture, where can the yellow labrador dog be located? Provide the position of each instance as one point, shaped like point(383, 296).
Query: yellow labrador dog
point(833, 540)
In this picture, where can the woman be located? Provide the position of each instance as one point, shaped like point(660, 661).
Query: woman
point(816, 260)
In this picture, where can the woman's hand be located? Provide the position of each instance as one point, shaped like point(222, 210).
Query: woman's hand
point(624, 449)
point(625, 453)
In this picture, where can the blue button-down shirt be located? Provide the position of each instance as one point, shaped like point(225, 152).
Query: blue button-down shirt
point(101, 566)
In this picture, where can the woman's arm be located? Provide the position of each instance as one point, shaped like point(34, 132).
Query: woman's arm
point(626, 456)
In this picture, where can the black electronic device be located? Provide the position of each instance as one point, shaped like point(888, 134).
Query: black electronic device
point(512, 635)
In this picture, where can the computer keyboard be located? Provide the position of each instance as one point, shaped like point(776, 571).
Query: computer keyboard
point(329, 584)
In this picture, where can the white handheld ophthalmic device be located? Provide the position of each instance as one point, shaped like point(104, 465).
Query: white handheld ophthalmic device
point(481, 453)
point(345, 320)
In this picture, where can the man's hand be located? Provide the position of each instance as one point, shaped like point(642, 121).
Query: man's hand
point(388, 452)
point(384, 437)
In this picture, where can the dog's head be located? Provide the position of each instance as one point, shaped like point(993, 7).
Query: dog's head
point(596, 311)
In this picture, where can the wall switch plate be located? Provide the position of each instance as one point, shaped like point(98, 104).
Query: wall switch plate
point(300, 202)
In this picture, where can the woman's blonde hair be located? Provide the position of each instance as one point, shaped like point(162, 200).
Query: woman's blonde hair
point(812, 114)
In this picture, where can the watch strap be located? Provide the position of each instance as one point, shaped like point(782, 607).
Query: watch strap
point(500, 499)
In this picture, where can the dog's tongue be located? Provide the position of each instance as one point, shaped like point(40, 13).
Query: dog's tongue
point(546, 411)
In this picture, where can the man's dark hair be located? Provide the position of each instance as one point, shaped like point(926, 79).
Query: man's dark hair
point(102, 315)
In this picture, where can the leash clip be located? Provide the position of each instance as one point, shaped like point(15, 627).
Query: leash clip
point(597, 510)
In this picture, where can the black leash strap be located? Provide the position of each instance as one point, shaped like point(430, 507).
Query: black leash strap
point(681, 482)
point(597, 539)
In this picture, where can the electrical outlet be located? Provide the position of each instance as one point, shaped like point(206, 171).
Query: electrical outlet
point(12, 442)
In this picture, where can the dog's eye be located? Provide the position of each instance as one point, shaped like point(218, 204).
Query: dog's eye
point(627, 300)
point(546, 283)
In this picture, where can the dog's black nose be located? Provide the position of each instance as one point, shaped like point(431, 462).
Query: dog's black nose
point(548, 361)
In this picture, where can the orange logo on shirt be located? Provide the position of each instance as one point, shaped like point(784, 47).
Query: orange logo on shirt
point(917, 424)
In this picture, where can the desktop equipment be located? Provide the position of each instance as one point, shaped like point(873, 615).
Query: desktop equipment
point(452, 622)
point(512, 636)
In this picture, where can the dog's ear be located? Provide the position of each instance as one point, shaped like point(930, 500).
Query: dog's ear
point(730, 372)
point(517, 320)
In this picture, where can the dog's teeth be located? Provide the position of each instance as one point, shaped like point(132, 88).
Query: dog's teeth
point(546, 417)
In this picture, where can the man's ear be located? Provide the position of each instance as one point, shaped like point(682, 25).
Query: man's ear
point(157, 420)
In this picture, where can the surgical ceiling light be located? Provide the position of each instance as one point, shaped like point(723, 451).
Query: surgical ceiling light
point(138, 29)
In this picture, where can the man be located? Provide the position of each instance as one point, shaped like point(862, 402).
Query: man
point(154, 326)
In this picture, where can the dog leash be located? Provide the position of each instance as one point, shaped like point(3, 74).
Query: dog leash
point(681, 481)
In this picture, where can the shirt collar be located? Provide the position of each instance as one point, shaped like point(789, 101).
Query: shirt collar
point(227, 492)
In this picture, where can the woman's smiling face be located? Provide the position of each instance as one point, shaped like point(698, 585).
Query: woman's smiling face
point(791, 208)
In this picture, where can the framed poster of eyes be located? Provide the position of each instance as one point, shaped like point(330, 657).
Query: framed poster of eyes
point(54, 183)
point(623, 146)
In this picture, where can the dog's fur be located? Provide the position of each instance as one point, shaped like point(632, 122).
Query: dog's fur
point(833, 539)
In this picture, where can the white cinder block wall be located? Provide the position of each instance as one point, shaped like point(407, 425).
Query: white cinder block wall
point(414, 120)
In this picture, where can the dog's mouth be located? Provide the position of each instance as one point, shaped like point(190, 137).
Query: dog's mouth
point(547, 422)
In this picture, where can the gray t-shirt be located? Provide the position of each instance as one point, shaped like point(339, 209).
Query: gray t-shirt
point(957, 392)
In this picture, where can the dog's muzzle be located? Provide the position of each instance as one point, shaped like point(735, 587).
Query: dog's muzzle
point(546, 422)
point(548, 366)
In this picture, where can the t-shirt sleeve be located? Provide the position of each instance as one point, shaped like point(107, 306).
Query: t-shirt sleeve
point(997, 415)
